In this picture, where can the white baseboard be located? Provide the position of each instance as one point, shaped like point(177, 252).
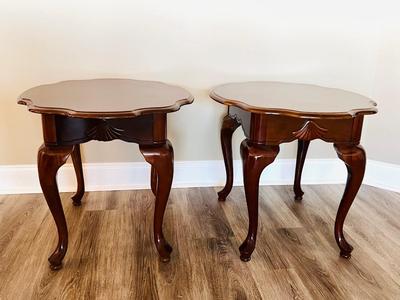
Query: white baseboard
point(19, 179)
point(383, 175)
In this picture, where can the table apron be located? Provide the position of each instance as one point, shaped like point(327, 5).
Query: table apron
point(276, 129)
point(61, 130)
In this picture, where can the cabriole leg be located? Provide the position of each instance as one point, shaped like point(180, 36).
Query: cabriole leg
point(354, 158)
point(50, 159)
point(255, 158)
point(161, 158)
point(301, 157)
point(77, 161)
point(229, 126)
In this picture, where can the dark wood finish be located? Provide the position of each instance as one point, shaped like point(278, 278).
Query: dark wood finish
point(153, 180)
point(229, 126)
point(75, 112)
point(255, 158)
point(50, 159)
point(302, 148)
point(272, 113)
point(293, 99)
point(105, 98)
point(354, 158)
point(77, 161)
point(161, 158)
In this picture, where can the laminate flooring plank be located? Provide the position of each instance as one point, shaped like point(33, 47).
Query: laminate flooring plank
point(111, 252)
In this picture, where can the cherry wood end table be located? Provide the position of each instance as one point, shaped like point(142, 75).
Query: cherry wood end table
point(272, 113)
point(78, 111)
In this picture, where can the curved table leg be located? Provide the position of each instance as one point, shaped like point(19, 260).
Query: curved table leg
point(255, 158)
point(354, 158)
point(153, 180)
point(161, 158)
point(229, 126)
point(50, 159)
point(301, 157)
point(77, 161)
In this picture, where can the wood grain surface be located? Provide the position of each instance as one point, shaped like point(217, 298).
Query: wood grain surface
point(296, 255)
point(105, 98)
point(293, 99)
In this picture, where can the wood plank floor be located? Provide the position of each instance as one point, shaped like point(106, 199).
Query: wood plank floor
point(111, 254)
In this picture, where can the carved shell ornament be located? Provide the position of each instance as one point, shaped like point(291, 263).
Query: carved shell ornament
point(104, 132)
point(310, 131)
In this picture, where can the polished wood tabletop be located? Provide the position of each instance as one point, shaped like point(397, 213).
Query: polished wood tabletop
point(292, 99)
point(78, 111)
point(272, 113)
point(100, 98)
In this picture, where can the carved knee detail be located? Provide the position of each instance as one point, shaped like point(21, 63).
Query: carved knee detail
point(158, 156)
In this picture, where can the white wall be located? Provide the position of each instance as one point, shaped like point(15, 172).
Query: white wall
point(198, 44)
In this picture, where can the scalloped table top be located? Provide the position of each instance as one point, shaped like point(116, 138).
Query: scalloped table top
point(105, 98)
point(293, 99)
